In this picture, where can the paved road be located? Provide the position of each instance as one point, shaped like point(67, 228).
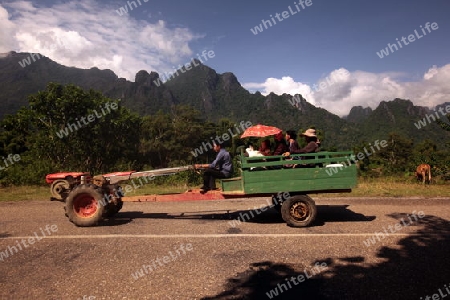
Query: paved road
point(192, 250)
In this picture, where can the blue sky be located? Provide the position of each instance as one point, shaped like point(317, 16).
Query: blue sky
point(330, 42)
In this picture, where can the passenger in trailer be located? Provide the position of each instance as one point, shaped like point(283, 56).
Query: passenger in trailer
point(312, 146)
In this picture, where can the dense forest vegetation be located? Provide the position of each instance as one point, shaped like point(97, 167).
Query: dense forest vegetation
point(65, 128)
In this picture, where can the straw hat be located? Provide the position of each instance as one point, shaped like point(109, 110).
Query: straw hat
point(310, 133)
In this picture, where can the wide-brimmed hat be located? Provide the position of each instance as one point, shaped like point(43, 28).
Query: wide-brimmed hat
point(310, 133)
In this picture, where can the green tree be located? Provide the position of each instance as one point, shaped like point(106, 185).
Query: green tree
point(67, 129)
point(396, 156)
point(442, 157)
point(425, 153)
point(155, 136)
point(172, 139)
point(445, 125)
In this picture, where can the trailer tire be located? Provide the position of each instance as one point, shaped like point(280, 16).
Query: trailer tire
point(299, 211)
point(84, 205)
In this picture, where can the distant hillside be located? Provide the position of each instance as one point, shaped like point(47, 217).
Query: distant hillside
point(19, 82)
point(141, 96)
point(217, 96)
point(400, 116)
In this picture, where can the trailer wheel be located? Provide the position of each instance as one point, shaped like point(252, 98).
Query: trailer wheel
point(59, 188)
point(299, 211)
point(84, 206)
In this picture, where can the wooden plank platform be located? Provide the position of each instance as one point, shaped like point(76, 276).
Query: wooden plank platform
point(189, 195)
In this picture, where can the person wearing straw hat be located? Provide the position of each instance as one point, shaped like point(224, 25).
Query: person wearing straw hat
point(312, 142)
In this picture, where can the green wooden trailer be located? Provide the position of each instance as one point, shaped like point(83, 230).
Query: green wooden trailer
point(294, 177)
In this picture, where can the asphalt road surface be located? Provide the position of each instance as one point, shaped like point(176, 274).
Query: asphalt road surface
point(194, 250)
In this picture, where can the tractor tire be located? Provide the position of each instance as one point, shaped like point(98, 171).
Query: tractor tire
point(299, 211)
point(59, 189)
point(112, 209)
point(119, 206)
point(84, 205)
point(115, 201)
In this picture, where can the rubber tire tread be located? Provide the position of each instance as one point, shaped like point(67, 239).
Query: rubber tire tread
point(290, 220)
point(73, 217)
point(54, 184)
point(112, 209)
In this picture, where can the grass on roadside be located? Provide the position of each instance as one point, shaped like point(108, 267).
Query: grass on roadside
point(367, 187)
point(20, 193)
point(395, 187)
point(15, 193)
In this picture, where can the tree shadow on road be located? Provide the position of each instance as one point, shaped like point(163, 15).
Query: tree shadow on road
point(417, 266)
point(264, 276)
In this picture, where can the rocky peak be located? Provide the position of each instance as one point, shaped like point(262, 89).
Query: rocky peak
point(358, 114)
point(144, 78)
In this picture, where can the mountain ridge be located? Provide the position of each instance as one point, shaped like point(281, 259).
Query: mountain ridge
point(216, 96)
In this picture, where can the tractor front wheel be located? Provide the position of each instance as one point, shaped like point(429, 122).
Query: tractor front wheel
point(84, 205)
point(59, 189)
point(299, 211)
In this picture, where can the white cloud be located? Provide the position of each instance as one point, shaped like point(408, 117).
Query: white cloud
point(280, 86)
point(341, 90)
point(7, 29)
point(89, 34)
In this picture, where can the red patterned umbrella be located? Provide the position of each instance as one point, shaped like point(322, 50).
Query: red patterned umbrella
point(260, 131)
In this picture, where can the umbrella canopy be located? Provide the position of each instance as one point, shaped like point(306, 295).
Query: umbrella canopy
point(260, 131)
